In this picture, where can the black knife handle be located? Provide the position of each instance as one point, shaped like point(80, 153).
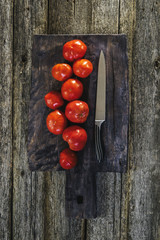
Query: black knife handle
point(98, 145)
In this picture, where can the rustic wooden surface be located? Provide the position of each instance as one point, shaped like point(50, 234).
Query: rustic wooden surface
point(32, 204)
point(44, 147)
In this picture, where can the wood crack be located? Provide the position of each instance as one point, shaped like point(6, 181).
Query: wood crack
point(74, 1)
point(84, 229)
point(119, 11)
point(12, 175)
point(120, 208)
point(48, 12)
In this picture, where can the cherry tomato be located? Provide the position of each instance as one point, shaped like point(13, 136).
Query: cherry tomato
point(74, 50)
point(62, 71)
point(56, 122)
point(82, 68)
point(54, 100)
point(77, 111)
point(68, 159)
point(76, 137)
point(72, 89)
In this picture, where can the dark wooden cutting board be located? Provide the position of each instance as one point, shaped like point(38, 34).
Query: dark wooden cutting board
point(44, 147)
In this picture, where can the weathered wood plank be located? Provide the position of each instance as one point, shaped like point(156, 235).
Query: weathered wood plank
point(105, 16)
point(61, 18)
point(82, 16)
point(6, 66)
point(57, 226)
point(28, 195)
point(144, 142)
point(99, 23)
point(116, 205)
point(144, 195)
point(108, 195)
point(43, 149)
point(126, 25)
point(39, 25)
point(105, 20)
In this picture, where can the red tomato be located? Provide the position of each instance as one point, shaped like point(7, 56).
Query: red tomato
point(56, 122)
point(74, 50)
point(76, 137)
point(68, 159)
point(62, 71)
point(77, 111)
point(72, 89)
point(54, 100)
point(82, 68)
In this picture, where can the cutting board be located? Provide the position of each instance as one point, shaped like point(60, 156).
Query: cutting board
point(44, 147)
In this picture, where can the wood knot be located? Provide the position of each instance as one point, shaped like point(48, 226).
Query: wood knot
point(24, 57)
point(22, 173)
point(157, 63)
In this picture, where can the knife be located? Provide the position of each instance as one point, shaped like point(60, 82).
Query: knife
point(100, 105)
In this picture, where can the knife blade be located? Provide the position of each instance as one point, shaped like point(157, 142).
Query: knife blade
point(100, 105)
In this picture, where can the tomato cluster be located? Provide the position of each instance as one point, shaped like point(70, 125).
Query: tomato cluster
point(76, 111)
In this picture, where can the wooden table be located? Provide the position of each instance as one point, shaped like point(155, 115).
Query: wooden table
point(32, 204)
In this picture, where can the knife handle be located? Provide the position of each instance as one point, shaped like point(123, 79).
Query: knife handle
point(98, 145)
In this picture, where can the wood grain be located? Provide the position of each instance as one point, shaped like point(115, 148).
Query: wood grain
point(43, 148)
point(6, 66)
point(28, 196)
point(144, 206)
point(129, 202)
point(61, 19)
point(105, 19)
point(127, 25)
point(101, 20)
